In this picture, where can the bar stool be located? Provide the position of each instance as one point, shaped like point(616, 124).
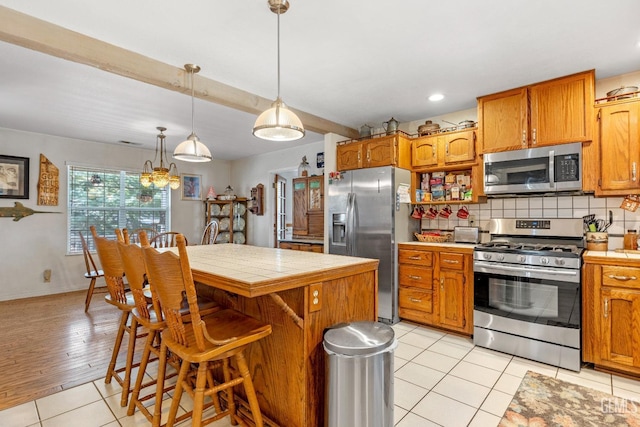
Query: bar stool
point(148, 316)
point(203, 343)
point(124, 301)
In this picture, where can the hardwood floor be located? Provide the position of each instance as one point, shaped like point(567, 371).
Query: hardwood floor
point(50, 344)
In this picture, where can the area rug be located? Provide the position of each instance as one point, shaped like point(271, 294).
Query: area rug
point(542, 401)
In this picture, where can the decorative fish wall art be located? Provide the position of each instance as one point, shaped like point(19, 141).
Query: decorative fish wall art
point(18, 212)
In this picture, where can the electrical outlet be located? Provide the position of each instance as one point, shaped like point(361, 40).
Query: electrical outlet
point(47, 276)
point(315, 297)
point(472, 220)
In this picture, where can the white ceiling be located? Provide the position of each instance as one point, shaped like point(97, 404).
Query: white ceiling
point(351, 62)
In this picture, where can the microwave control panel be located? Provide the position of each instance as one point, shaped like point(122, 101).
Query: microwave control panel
point(567, 168)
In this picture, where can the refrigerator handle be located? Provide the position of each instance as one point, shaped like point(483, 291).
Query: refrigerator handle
point(353, 224)
point(347, 236)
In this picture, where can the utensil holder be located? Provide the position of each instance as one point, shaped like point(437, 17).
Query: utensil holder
point(597, 241)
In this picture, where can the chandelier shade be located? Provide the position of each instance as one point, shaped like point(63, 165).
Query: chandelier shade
point(192, 150)
point(278, 123)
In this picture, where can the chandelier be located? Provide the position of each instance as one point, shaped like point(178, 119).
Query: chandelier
point(278, 123)
point(160, 175)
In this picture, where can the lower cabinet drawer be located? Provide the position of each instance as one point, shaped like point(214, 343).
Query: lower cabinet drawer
point(409, 256)
point(413, 276)
point(416, 299)
point(451, 261)
point(621, 277)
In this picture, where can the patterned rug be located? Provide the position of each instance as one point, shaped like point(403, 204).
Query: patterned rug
point(542, 401)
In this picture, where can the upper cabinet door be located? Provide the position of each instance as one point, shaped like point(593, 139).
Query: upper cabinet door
point(424, 151)
point(381, 152)
point(619, 147)
point(459, 147)
point(502, 121)
point(316, 194)
point(349, 156)
point(561, 110)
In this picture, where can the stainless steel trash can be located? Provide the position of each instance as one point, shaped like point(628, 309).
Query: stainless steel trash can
point(359, 375)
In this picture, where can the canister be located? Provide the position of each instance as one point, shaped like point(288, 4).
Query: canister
point(597, 241)
point(630, 240)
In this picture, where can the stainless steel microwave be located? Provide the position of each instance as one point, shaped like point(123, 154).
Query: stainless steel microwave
point(535, 170)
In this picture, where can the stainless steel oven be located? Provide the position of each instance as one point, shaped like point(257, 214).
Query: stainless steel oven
point(527, 293)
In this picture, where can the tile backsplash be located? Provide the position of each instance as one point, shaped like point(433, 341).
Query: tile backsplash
point(543, 207)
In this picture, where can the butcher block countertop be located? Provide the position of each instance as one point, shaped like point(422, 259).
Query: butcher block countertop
point(253, 271)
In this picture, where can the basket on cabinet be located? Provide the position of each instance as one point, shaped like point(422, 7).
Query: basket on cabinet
point(432, 238)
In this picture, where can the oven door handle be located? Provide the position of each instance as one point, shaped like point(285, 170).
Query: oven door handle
point(484, 267)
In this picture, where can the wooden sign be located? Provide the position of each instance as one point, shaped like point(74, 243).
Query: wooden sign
point(48, 183)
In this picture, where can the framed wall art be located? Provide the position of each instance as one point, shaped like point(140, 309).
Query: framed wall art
point(191, 187)
point(14, 177)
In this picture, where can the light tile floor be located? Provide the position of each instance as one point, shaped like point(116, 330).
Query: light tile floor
point(440, 380)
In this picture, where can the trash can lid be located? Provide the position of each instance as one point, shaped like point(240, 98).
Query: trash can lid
point(358, 338)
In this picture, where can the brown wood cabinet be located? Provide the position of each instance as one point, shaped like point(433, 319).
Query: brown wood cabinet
point(436, 286)
point(618, 139)
point(444, 149)
point(302, 246)
point(308, 206)
point(232, 219)
point(611, 314)
point(390, 150)
point(557, 111)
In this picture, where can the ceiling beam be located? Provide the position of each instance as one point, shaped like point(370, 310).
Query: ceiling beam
point(32, 33)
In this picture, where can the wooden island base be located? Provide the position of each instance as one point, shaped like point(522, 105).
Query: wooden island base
point(313, 292)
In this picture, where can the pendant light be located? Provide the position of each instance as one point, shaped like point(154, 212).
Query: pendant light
point(278, 123)
point(160, 175)
point(192, 150)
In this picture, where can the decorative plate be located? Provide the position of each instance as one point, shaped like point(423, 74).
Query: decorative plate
point(215, 210)
point(238, 237)
point(224, 224)
point(223, 237)
point(240, 209)
point(226, 210)
point(238, 224)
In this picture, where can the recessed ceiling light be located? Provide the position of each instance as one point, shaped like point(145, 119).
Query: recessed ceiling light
point(436, 97)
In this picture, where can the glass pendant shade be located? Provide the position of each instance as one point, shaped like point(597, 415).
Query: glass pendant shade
point(278, 123)
point(145, 179)
point(174, 182)
point(192, 150)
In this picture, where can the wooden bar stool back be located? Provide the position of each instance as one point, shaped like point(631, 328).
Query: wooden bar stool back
point(204, 342)
point(211, 232)
point(93, 273)
point(119, 297)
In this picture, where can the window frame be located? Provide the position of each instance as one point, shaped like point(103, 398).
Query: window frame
point(72, 245)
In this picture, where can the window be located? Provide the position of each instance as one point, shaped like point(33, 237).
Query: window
point(281, 209)
point(110, 199)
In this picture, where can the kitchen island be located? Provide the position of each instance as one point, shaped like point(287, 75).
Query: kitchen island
point(300, 294)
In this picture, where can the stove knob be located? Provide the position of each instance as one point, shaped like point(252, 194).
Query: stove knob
point(500, 257)
point(522, 258)
point(559, 261)
point(486, 256)
point(544, 260)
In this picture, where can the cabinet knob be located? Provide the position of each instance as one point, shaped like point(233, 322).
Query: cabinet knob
point(533, 136)
point(415, 277)
point(622, 278)
point(416, 300)
point(606, 308)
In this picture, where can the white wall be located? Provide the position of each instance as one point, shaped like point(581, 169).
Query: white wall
point(38, 242)
point(251, 171)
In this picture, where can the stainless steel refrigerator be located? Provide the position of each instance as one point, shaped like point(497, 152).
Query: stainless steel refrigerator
point(367, 220)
